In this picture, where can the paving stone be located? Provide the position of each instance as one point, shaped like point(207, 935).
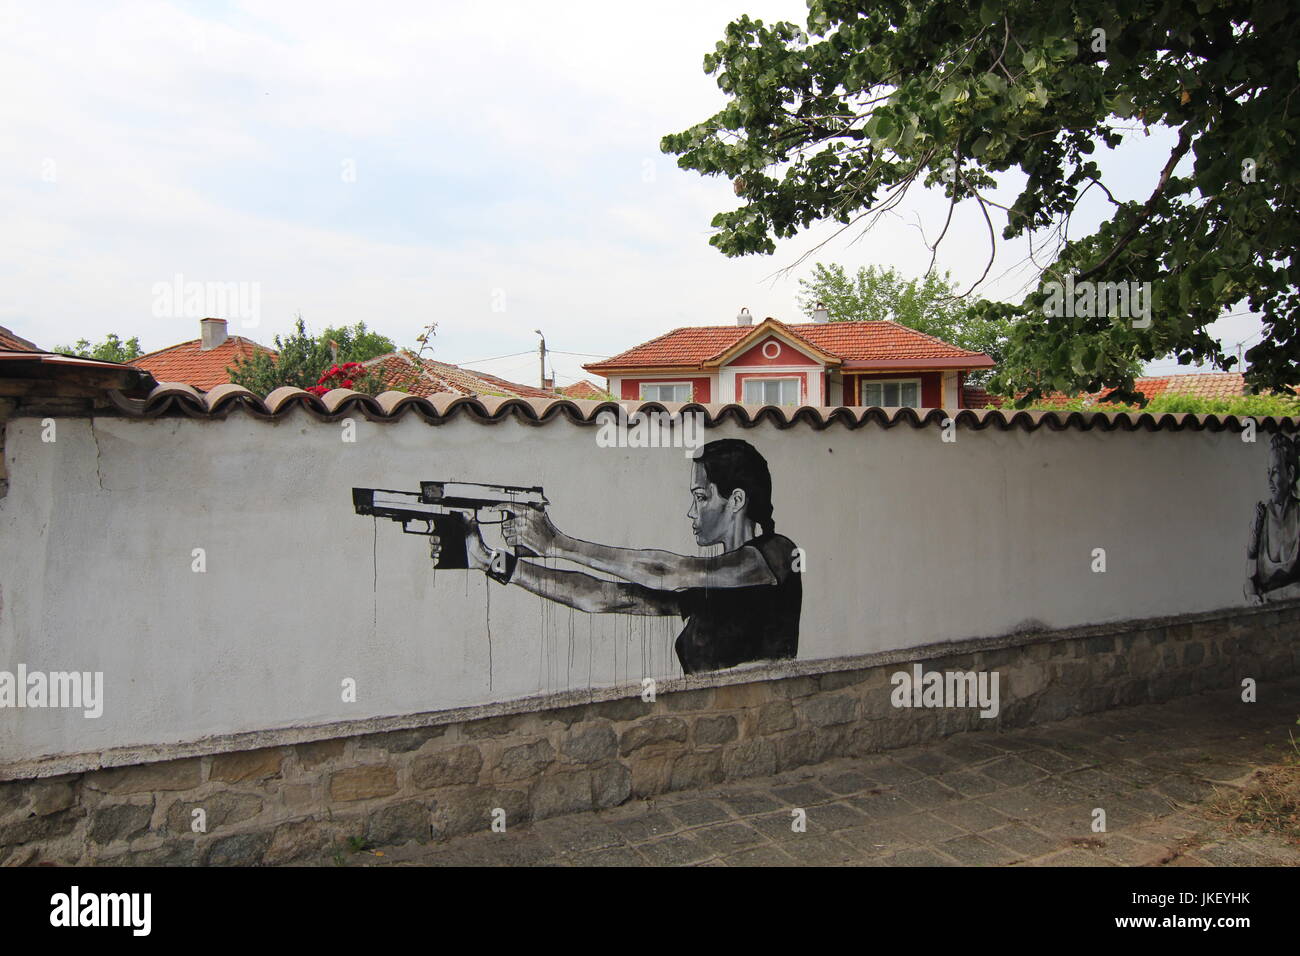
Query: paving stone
point(802, 795)
point(921, 857)
point(834, 816)
point(612, 856)
point(882, 806)
point(728, 837)
point(930, 762)
point(895, 774)
point(767, 855)
point(969, 783)
point(639, 829)
point(775, 826)
point(852, 781)
point(1012, 771)
point(677, 850)
point(927, 793)
point(747, 804)
point(1053, 761)
point(577, 834)
point(971, 815)
point(1184, 789)
point(811, 850)
point(698, 812)
point(925, 828)
point(1023, 840)
point(973, 850)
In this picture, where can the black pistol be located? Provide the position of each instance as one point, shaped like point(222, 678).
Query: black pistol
point(443, 507)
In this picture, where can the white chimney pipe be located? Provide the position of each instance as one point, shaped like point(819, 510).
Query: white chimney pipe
point(212, 332)
point(820, 314)
point(744, 317)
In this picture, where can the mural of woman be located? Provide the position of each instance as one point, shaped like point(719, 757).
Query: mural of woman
point(1274, 548)
point(741, 605)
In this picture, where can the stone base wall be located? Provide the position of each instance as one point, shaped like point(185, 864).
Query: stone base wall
point(308, 802)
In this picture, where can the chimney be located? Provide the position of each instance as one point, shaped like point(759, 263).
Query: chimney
point(744, 317)
point(820, 314)
point(548, 383)
point(212, 333)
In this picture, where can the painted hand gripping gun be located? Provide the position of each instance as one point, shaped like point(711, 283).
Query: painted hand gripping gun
point(443, 508)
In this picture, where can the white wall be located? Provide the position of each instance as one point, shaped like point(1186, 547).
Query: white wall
point(909, 540)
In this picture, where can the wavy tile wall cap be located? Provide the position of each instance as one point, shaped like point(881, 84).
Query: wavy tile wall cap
point(173, 397)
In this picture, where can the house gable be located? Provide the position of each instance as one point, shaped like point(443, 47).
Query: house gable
point(775, 351)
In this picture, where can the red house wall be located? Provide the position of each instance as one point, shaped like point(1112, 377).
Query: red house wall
point(931, 386)
point(701, 388)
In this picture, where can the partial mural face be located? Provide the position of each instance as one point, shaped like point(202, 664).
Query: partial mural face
point(1280, 478)
point(710, 514)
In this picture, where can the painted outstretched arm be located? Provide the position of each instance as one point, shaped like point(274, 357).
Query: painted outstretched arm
point(593, 595)
point(570, 588)
point(653, 569)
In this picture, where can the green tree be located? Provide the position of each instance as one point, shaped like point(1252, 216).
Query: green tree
point(112, 349)
point(838, 122)
point(302, 357)
point(929, 304)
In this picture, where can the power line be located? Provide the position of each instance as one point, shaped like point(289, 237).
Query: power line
point(494, 358)
point(583, 354)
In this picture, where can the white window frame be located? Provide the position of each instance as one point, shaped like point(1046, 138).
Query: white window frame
point(759, 379)
point(862, 382)
point(689, 386)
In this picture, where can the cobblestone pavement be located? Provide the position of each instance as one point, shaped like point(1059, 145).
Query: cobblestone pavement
point(991, 798)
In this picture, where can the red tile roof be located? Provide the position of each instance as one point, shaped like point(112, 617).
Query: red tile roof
point(403, 371)
point(15, 343)
point(851, 342)
point(584, 390)
point(189, 364)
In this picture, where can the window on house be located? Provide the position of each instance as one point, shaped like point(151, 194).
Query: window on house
point(892, 394)
point(672, 392)
point(771, 391)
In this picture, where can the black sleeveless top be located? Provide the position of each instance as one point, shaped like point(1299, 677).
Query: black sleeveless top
point(730, 626)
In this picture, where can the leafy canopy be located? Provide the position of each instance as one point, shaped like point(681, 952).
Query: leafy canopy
point(112, 349)
point(303, 358)
point(836, 123)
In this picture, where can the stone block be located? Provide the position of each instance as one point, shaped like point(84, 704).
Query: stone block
point(715, 730)
point(445, 768)
point(655, 730)
point(399, 823)
point(220, 809)
point(829, 710)
point(774, 717)
point(316, 753)
point(244, 849)
point(119, 822)
point(591, 744)
point(246, 765)
point(149, 777)
point(363, 783)
point(524, 760)
point(562, 793)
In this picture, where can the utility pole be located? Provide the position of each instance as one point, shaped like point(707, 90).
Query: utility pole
point(541, 352)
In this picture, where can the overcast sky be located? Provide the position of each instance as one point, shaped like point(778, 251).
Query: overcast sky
point(493, 168)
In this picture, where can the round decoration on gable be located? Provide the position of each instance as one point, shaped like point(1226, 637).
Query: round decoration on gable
point(774, 346)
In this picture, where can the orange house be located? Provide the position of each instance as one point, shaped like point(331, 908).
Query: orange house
point(812, 363)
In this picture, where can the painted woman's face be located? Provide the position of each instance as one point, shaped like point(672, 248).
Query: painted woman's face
point(708, 514)
point(1278, 473)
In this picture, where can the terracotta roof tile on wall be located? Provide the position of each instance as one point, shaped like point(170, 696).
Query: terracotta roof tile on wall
point(850, 341)
point(189, 364)
point(439, 408)
point(15, 343)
